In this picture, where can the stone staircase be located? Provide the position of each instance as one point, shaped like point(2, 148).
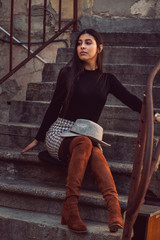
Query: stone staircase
point(31, 191)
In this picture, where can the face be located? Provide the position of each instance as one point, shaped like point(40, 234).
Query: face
point(87, 48)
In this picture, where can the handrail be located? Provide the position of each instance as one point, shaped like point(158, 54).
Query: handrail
point(32, 54)
point(24, 46)
point(144, 160)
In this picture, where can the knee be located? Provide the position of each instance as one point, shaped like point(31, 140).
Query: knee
point(82, 142)
point(97, 158)
point(96, 153)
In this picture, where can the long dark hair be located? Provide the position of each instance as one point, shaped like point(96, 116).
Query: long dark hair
point(77, 66)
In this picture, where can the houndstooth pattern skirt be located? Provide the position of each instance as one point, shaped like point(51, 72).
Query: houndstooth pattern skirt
point(53, 140)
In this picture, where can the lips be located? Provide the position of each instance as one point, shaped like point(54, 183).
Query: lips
point(83, 53)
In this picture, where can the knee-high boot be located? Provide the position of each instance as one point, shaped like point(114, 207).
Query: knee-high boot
point(80, 149)
point(103, 177)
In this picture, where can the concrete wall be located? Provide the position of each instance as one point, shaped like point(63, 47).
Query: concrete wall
point(103, 15)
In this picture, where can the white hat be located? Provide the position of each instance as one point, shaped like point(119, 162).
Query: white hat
point(87, 128)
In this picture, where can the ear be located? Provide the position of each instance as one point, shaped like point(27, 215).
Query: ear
point(100, 48)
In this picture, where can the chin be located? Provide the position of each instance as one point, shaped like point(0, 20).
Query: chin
point(83, 58)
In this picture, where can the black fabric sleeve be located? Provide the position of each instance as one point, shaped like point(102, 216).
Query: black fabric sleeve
point(120, 92)
point(53, 110)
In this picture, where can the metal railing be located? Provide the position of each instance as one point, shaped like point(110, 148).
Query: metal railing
point(144, 161)
point(31, 54)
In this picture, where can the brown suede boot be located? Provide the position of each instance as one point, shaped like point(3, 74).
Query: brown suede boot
point(106, 184)
point(80, 149)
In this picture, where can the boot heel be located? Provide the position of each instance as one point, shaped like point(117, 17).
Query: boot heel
point(63, 221)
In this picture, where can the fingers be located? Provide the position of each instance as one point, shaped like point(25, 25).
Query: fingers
point(30, 146)
point(158, 119)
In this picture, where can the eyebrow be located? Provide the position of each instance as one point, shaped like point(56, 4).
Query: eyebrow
point(88, 39)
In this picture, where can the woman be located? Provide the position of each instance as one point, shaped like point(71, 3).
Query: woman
point(81, 92)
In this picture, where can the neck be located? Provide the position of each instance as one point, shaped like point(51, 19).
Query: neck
point(88, 66)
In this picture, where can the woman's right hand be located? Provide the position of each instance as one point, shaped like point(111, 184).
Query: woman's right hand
point(33, 144)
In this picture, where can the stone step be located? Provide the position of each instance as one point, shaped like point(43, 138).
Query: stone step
point(120, 24)
point(133, 74)
point(119, 55)
point(17, 136)
point(15, 167)
point(43, 91)
point(113, 117)
point(21, 224)
point(126, 39)
point(47, 198)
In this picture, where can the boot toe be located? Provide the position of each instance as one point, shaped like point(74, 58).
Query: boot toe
point(115, 226)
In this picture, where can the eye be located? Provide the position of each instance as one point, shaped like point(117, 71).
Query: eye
point(79, 43)
point(88, 42)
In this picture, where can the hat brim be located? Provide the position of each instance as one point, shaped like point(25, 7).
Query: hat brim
point(71, 134)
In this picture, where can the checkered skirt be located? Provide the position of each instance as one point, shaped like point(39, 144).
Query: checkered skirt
point(53, 140)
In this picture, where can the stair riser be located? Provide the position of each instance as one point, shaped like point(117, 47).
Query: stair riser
point(44, 92)
point(57, 175)
point(16, 227)
point(117, 119)
point(122, 119)
point(50, 206)
point(123, 153)
point(118, 55)
point(17, 142)
point(133, 74)
point(126, 39)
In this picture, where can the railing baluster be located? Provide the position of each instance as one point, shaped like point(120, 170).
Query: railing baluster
point(75, 14)
point(60, 14)
point(29, 27)
point(31, 54)
point(11, 34)
point(44, 21)
point(36, 52)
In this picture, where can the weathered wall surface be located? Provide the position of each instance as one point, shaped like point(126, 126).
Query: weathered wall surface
point(103, 15)
point(122, 16)
point(15, 87)
point(130, 8)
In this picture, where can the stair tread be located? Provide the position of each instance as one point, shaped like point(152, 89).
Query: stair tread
point(49, 190)
point(47, 102)
point(36, 126)
point(121, 47)
point(53, 221)
point(125, 84)
point(53, 192)
point(30, 125)
point(32, 156)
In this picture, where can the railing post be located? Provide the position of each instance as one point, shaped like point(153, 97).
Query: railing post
point(29, 27)
point(60, 15)
point(75, 14)
point(44, 21)
point(11, 35)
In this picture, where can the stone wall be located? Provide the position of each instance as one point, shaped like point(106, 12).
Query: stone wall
point(15, 87)
point(130, 8)
point(103, 15)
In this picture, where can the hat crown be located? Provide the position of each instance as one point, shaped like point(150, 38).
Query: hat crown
point(87, 127)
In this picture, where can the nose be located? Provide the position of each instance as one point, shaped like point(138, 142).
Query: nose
point(82, 45)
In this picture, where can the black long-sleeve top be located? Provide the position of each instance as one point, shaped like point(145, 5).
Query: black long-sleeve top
point(88, 98)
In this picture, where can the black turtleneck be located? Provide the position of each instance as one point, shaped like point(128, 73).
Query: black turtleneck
point(88, 99)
